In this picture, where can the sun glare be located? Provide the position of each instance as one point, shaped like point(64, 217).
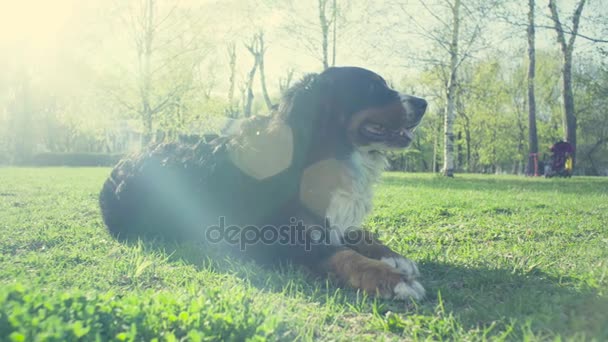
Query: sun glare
point(34, 23)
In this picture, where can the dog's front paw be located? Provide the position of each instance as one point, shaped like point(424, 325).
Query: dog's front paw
point(404, 265)
point(390, 282)
point(378, 277)
point(410, 287)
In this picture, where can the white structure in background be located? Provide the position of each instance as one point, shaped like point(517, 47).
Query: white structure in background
point(124, 136)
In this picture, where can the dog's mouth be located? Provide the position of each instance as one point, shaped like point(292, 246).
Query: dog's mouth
point(387, 128)
point(384, 138)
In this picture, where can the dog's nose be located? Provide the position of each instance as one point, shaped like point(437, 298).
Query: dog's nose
point(419, 105)
point(414, 104)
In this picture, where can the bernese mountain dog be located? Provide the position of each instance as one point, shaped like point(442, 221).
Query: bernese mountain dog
point(293, 186)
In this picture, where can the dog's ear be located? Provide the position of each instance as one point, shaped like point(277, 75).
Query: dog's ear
point(302, 105)
point(315, 110)
point(313, 97)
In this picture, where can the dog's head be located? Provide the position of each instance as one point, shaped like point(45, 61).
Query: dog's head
point(328, 115)
point(356, 109)
point(375, 116)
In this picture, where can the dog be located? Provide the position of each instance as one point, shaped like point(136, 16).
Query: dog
point(293, 186)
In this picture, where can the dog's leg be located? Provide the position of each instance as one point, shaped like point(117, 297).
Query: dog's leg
point(365, 243)
point(351, 268)
point(372, 276)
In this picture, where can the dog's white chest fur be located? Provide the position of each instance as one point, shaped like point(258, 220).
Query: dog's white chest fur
point(351, 201)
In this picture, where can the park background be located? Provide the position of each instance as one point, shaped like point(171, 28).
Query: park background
point(84, 82)
point(502, 257)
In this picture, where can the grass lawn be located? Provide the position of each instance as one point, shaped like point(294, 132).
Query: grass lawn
point(502, 258)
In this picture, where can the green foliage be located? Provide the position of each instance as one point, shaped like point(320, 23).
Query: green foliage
point(492, 119)
point(411, 160)
point(491, 127)
point(209, 314)
point(549, 110)
point(591, 95)
point(199, 115)
point(502, 258)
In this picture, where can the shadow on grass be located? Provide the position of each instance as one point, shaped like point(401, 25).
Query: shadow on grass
point(574, 185)
point(476, 297)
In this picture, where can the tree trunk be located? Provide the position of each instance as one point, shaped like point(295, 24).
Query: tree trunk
point(335, 29)
point(324, 32)
point(521, 142)
point(260, 58)
point(254, 50)
point(232, 80)
point(285, 83)
point(435, 143)
point(448, 162)
point(249, 90)
point(597, 144)
point(145, 60)
point(532, 166)
point(467, 133)
point(568, 94)
point(567, 47)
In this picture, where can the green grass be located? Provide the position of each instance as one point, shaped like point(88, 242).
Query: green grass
point(502, 258)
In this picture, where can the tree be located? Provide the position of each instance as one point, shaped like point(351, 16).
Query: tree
point(257, 49)
point(233, 109)
point(319, 36)
point(254, 48)
point(567, 47)
point(285, 82)
point(431, 84)
point(325, 24)
point(232, 79)
point(450, 110)
point(456, 39)
point(591, 88)
point(532, 166)
point(168, 50)
point(492, 124)
point(260, 58)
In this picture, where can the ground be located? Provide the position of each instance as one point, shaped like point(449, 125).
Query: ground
point(502, 258)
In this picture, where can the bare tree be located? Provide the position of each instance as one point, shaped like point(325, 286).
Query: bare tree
point(168, 52)
point(248, 96)
point(257, 49)
point(335, 31)
point(261, 52)
point(232, 64)
point(285, 83)
point(532, 166)
point(319, 36)
point(325, 24)
point(254, 48)
point(144, 39)
point(567, 47)
point(232, 111)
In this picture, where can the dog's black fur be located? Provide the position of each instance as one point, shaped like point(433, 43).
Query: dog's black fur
point(177, 190)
